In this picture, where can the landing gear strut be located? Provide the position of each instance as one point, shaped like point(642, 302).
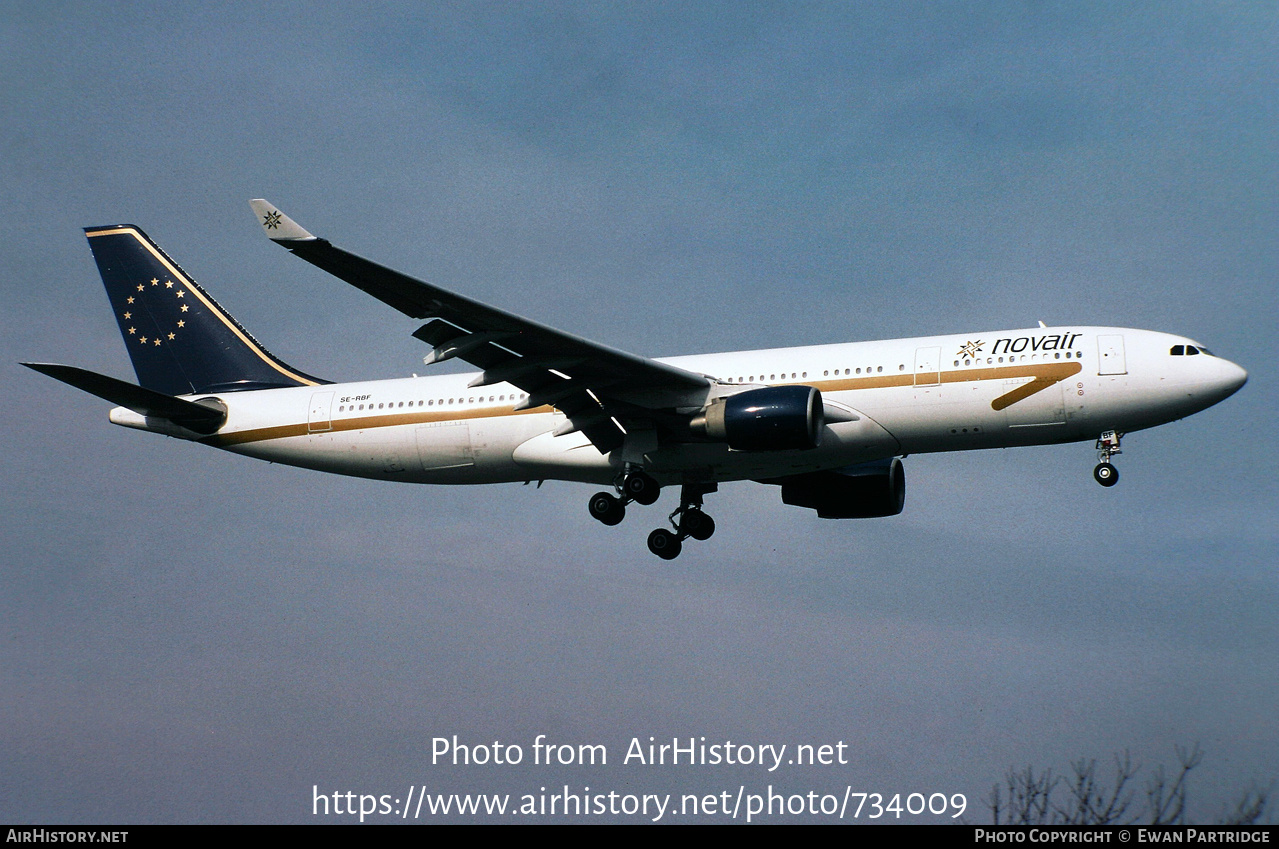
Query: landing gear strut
point(688, 520)
point(1107, 447)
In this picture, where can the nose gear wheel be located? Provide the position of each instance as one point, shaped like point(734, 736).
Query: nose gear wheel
point(1107, 446)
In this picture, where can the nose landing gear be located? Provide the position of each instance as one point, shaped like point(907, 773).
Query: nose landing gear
point(1107, 447)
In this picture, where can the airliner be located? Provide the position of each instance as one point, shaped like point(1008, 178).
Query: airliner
point(827, 424)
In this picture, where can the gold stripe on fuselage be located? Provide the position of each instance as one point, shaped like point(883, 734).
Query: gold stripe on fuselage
point(1044, 375)
point(262, 434)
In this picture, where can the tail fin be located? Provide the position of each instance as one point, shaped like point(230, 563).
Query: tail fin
point(180, 340)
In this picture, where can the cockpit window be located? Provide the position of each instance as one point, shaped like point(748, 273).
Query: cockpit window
point(1189, 351)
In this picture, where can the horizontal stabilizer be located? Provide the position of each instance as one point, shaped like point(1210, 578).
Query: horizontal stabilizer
point(145, 402)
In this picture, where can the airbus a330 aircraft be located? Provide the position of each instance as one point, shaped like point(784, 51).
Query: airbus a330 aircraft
point(828, 424)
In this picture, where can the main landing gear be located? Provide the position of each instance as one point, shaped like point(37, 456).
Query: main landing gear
point(632, 485)
point(688, 520)
point(1107, 447)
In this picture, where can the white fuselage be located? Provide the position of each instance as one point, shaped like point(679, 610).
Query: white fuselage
point(940, 393)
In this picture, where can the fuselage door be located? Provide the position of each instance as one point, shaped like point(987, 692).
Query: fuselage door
point(927, 366)
point(445, 445)
point(320, 418)
point(1110, 355)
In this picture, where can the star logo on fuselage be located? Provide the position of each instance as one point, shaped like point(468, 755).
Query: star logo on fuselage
point(970, 349)
point(271, 220)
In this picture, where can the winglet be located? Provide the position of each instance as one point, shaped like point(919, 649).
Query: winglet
point(278, 226)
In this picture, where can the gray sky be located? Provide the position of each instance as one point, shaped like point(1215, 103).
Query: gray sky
point(192, 636)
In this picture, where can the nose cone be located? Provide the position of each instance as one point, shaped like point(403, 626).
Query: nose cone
point(1229, 380)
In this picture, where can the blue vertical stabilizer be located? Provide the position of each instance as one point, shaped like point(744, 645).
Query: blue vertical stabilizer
point(180, 340)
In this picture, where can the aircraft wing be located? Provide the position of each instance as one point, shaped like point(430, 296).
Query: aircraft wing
point(596, 386)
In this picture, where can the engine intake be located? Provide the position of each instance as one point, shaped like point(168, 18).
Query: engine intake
point(775, 418)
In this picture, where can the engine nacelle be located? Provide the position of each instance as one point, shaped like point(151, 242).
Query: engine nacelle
point(775, 418)
point(862, 492)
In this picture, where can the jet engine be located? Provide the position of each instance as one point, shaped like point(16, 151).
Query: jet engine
point(775, 418)
point(858, 492)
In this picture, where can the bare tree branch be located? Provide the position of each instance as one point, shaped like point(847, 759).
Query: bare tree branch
point(1027, 797)
point(1167, 800)
point(1250, 808)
